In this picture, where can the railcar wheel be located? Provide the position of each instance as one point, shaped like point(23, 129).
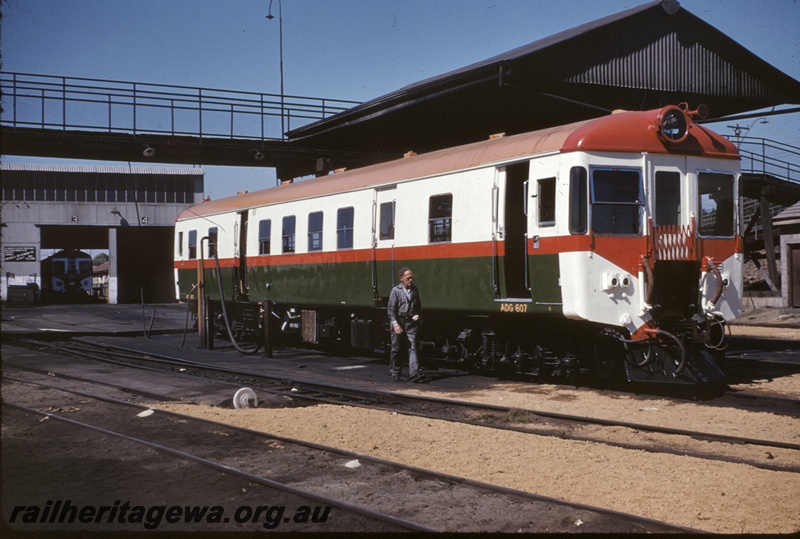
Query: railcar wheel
point(719, 357)
point(607, 359)
point(570, 373)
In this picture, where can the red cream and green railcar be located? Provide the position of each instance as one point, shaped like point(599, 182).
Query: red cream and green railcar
point(610, 246)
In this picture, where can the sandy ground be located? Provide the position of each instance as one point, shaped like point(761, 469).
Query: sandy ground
point(703, 494)
point(709, 495)
point(760, 332)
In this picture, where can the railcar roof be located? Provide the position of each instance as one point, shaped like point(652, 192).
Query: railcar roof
point(619, 132)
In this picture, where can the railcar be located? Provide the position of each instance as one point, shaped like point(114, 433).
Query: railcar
point(67, 276)
point(609, 246)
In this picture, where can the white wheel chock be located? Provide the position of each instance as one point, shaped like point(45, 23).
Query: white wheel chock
point(245, 398)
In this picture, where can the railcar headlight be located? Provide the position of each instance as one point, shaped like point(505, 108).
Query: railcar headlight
point(672, 124)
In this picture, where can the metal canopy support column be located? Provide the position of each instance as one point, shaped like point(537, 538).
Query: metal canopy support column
point(769, 240)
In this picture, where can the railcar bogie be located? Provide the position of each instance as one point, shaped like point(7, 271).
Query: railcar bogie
point(606, 247)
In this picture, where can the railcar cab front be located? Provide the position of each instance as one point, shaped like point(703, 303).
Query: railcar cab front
point(662, 260)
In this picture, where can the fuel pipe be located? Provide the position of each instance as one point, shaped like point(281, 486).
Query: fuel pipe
point(225, 313)
point(657, 333)
point(662, 333)
point(201, 284)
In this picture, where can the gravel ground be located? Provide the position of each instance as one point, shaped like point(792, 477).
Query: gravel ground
point(46, 459)
point(709, 495)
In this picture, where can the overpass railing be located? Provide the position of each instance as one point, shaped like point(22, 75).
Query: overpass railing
point(769, 157)
point(80, 104)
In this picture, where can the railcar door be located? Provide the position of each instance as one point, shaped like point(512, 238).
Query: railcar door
point(515, 265)
point(240, 253)
point(543, 266)
point(383, 220)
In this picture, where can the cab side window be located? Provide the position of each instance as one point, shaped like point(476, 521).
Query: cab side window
point(578, 201)
point(716, 204)
point(547, 201)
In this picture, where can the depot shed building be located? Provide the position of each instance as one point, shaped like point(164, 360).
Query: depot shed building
point(127, 211)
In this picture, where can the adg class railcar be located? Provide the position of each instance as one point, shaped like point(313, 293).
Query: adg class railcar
point(609, 246)
point(67, 276)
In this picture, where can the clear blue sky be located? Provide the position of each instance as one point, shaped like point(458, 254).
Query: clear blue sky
point(343, 49)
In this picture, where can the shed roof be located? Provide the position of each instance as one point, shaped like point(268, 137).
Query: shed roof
point(790, 215)
point(643, 58)
point(101, 169)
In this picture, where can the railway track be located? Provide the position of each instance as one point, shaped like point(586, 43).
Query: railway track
point(731, 399)
point(319, 474)
point(761, 453)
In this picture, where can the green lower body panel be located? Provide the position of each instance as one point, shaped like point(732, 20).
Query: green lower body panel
point(451, 284)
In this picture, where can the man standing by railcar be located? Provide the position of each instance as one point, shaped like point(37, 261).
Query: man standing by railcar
point(405, 311)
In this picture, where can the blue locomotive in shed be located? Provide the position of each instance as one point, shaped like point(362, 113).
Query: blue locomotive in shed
point(67, 277)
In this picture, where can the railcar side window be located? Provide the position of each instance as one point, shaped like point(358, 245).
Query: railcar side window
point(387, 221)
point(264, 235)
point(547, 202)
point(440, 216)
point(616, 201)
point(315, 231)
point(288, 234)
point(192, 244)
point(180, 244)
point(344, 228)
point(716, 204)
point(212, 242)
point(578, 201)
point(668, 198)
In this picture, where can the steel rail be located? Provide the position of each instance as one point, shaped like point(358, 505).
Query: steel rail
point(366, 395)
point(343, 393)
point(355, 455)
point(363, 511)
point(394, 398)
point(544, 431)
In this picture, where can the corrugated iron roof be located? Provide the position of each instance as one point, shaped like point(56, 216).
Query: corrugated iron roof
point(103, 169)
point(643, 58)
point(792, 213)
